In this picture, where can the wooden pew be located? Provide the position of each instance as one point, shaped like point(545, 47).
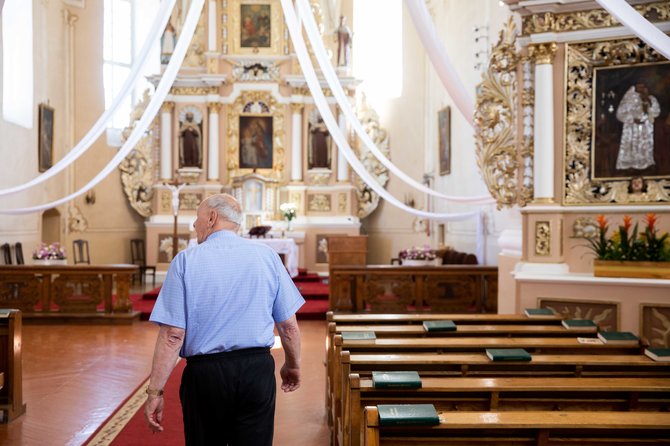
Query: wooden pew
point(542, 428)
point(11, 393)
point(337, 379)
point(418, 318)
point(509, 394)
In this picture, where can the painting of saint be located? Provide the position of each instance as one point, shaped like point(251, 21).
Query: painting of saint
point(631, 122)
point(256, 26)
point(45, 143)
point(255, 142)
point(444, 140)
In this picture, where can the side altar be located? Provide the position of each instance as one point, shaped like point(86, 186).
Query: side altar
point(240, 119)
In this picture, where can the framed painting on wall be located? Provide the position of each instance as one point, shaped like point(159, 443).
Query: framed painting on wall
point(255, 142)
point(256, 27)
point(444, 140)
point(45, 142)
point(631, 122)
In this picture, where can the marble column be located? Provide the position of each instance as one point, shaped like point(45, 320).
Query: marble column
point(213, 145)
point(166, 140)
point(543, 171)
point(296, 142)
point(342, 165)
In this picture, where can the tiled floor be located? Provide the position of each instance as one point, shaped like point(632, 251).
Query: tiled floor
point(75, 376)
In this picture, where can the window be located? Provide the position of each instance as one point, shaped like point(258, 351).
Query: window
point(17, 63)
point(125, 25)
point(377, 47)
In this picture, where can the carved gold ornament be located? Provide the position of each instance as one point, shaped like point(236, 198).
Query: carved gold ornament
point(542, 53)
point(542, 238)
point(592, 19)
point(582, 58)
point(368, 200)
point(318, 202)
point(138, 169)
point(193, 91)
point(503, 166)
point(256, 103)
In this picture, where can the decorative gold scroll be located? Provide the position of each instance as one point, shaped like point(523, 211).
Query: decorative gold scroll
point(496, 120)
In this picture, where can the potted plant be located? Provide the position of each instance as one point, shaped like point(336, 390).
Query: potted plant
point(417, 256)
point(289, 212)
point(627, 252)
point(53, 254)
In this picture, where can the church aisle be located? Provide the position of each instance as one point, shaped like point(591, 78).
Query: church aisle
point(75, 376)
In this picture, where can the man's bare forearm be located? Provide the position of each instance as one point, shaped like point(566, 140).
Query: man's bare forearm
point(289, 333)
point(166, 353)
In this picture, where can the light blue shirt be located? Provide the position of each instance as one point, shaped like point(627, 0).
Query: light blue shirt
point(227, 293)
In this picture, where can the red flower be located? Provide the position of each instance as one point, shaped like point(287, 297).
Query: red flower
point(627, 222)
point(651, 220)
point(602, 222)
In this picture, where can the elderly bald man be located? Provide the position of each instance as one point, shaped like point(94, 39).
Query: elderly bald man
point(217, 308)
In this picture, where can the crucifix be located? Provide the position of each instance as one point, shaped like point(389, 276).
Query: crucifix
point(175, 186)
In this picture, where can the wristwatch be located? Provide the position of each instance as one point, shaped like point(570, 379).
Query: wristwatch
point(154, 392)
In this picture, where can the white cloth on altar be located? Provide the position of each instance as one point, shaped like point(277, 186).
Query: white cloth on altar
point(286, 246)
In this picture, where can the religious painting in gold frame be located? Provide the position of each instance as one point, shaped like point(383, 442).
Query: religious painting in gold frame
point(259, 112)
point(585, 61)
point(631, 122)
point(45, 142)
point(255, 27)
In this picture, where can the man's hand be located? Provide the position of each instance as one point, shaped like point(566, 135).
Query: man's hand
point(153, 413)
point(290, 378)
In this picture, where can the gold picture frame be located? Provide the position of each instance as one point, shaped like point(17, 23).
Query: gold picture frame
point(583, 61)
point(255, 27)
point(45, 138)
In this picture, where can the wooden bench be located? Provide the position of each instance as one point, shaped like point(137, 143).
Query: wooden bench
point(336, 379)
point(11, 393)
point(508, 394)
point(541, 428)
point(418, 318)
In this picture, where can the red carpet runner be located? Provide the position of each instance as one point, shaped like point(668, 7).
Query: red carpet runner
point(127, 427)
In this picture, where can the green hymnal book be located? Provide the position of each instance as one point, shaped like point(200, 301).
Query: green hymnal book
point(407, 414)
point(508, 354)
point(387, 380)
point(353, 336)
point(445, 325)
point(539, 312)
point(658, 354)
point(5, 313)
point(618, 337)
point(575, 324)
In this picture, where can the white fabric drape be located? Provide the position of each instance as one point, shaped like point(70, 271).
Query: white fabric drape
point(149, 113)
point(158, 25)
point(338, 92)
point(642, 28)
point(440, 59)
point(336, 133)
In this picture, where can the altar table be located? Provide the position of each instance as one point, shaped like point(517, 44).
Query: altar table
point(287, 247)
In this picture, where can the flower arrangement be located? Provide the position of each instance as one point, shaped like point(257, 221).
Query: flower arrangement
point(627, 243)
point(53, 251)
point(289, 211)
point(418, 253)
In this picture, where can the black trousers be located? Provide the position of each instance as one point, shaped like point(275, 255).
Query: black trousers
point(228, 399)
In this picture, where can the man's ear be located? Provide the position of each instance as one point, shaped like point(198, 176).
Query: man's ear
point(212, 216)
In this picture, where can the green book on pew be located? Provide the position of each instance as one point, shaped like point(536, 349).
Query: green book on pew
point(539, 312)
point(389, 380)
point(444, 325)
point(358, 336)
point(508, 354)
point(658, 354)
point(578, 324)
point(618, 338)
point(407, 415)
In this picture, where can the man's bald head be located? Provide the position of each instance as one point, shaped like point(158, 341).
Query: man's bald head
point(226, 206)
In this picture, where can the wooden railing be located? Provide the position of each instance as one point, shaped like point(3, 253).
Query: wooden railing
point(11, 385)
point(48, 291)
point(400, 289)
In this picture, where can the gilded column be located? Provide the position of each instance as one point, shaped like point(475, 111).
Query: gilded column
point(296, 142)
point(342, 165)
point(166, 140)
point(213, 146)
point(543, 148)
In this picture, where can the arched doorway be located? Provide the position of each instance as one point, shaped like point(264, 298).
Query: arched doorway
point(51, 226)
